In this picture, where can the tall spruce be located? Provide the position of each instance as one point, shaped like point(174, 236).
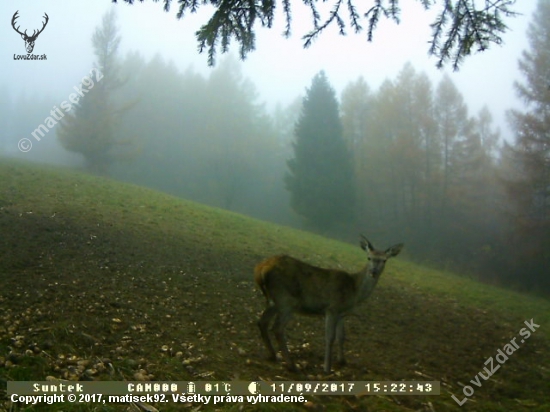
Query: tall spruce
point(320, 174)
point(529, 189)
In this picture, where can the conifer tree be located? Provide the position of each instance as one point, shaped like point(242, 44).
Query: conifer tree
point(320, 174)
point(529, 190)
point(90, 128)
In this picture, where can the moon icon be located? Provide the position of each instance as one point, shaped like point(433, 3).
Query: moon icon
point(254, 388)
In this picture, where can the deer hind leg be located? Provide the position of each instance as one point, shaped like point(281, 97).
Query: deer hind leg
point(263, 324)
point(279, 327)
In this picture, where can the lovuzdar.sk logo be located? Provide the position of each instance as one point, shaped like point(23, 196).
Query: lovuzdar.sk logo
point(29, 40)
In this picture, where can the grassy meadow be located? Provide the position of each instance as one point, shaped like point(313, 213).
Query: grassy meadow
point(101, 280)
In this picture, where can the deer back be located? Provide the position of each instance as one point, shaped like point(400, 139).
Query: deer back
point(304, 287)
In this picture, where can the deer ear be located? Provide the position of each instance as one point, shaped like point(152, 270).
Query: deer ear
point(394, 250)
point(365, 244)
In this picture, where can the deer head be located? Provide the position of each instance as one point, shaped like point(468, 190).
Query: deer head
point(29, 40)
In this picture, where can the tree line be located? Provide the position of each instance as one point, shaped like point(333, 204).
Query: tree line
point(427, 171)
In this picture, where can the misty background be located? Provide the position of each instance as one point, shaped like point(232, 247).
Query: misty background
point(427, 146)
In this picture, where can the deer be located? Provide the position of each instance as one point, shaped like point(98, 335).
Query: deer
point(29, 40)
point(292, 286)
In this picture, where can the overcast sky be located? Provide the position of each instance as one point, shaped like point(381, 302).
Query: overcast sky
point(280, 68)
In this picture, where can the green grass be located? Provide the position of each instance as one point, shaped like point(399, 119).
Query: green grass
point(472, 293)
point(110, 280)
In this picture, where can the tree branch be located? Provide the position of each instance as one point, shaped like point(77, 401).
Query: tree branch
point(459, 27)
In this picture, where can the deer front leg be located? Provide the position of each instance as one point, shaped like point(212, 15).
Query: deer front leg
point(340, 338)
point(331, 321)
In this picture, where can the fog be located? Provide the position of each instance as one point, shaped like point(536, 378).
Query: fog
point(279, 67)
point(167, 224)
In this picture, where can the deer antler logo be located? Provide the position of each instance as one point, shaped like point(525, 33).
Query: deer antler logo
point(29, 40)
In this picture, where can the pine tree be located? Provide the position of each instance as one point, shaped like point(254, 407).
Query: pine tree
point(356, 108)
point(530, 190)
point(90, 128)
point(320, 175)
point(454, 125)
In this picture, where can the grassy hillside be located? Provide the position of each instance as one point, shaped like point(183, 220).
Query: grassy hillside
point(108, 281)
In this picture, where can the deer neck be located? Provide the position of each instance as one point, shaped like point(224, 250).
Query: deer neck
point(365, 282)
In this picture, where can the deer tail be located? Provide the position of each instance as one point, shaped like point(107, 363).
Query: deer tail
point(261, 271)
